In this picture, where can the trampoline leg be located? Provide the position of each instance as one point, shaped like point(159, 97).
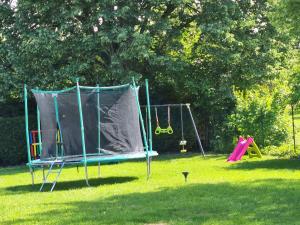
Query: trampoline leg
point(86, 175)
point(148, 167)
point(98, 169)
point(32, 175)
point(44, 178)
point(77, 169)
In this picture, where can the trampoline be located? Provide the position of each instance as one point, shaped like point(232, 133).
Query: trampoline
point(82, 125)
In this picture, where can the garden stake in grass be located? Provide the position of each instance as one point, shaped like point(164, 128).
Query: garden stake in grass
point(185, 174)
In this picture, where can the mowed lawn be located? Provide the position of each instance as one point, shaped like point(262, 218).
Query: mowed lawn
point(256, 191)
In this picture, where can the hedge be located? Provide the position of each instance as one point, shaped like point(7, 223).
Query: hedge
point(13, 141)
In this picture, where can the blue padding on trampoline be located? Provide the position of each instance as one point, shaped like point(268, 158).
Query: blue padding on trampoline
point(119, 157)
point(94, 158)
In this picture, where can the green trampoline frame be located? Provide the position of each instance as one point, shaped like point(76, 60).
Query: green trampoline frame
point(85, 158)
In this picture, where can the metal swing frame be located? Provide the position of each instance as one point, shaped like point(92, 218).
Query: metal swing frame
point(188, 106)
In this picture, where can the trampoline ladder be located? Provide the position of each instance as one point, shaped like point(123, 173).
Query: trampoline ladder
point(58, 172)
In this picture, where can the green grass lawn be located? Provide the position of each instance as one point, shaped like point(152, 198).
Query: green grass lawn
point(252, 191)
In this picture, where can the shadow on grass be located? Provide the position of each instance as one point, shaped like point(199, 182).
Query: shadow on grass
point(13, 170)
point(297, 117)
point(267, 164)
point(172, 156)
point(262, 202)
point(68, 185)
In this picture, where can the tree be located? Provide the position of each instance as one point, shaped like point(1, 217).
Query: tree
point(192, 51)
point(237, 47)
point(107, 41)
point(286, 19)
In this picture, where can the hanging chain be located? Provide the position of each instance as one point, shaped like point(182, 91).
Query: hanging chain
point(157, 122)
point(181, 117)
point(169, 116)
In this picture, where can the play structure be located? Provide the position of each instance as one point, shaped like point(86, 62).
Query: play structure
point(83, 125)
point(168, 130)
point(244, 145)
point(34, 144)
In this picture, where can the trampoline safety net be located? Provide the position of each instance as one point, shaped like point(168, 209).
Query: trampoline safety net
point(110, 121)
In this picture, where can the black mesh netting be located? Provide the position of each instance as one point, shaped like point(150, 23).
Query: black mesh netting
point(114, 110)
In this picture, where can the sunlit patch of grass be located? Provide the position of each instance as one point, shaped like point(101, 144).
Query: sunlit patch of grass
point(252, 191)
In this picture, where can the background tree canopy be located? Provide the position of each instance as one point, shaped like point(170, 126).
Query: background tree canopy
point(190, 50)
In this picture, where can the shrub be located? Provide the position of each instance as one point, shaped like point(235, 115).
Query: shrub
point(262, 113)
point(13, 141)
point(285, 151)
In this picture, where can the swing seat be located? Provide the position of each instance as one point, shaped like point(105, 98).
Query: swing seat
point(182, 142)
point(160, 130)
point(183, 151)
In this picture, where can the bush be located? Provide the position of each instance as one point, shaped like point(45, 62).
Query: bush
point(285, 151)
point(13, 140)
point(262, 113)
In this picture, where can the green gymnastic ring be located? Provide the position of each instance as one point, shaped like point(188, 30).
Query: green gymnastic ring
point(169, 130)
point(160, 130)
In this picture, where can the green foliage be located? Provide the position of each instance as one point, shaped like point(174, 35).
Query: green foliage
point(107, 41)
point(283, 151)
point(13, 149)
point(286, 19)
point(262, 113)
point(290, 9)
point(238, 46)
point(191, 51)
point(295, 81)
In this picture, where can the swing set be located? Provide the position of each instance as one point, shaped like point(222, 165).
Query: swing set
point(159, 130)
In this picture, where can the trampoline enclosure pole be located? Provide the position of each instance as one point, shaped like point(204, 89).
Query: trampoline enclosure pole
point(98, 114)
point(81, 122)
point(39, 129)
point(26, 123)
point(143, 127)
point(99, 124)
point(82, 131)
point(140, 116)
point(149, 115)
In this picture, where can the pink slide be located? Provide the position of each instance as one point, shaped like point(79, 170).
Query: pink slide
point(240, 149)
